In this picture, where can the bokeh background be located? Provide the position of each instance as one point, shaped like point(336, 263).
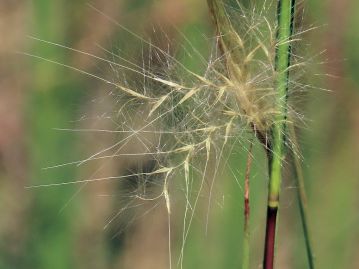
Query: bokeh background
point(67, 226)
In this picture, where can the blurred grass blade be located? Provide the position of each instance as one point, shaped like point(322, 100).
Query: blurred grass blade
point(302, 197)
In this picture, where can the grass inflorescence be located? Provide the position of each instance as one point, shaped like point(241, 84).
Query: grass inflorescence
point(184, 119)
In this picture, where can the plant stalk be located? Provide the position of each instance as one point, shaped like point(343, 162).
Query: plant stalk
point(246, 240)
point(285, 19)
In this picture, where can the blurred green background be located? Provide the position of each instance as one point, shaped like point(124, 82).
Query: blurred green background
point(66, 226)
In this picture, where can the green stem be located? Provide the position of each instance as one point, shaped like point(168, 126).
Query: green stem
point(283, 51)
point(302, 197)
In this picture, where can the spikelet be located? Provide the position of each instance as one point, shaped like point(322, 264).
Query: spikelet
point(248, 76)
